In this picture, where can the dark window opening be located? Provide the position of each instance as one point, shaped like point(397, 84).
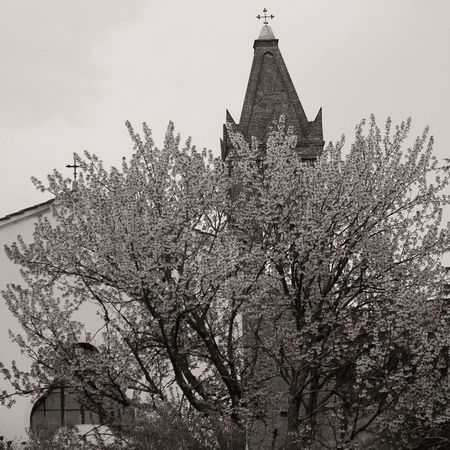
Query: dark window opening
point(60, 407)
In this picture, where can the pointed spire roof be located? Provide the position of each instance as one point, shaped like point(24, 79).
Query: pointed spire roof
point(270, 93)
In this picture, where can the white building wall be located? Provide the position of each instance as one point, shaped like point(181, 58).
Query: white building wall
point(15, 420)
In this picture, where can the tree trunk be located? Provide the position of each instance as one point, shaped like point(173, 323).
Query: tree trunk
point(292, 424)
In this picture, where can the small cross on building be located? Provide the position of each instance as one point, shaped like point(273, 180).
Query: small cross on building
point(73, 166)
point(265, 16)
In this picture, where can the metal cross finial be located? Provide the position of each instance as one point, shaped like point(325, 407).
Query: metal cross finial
point(265, 16)
point(74, 166)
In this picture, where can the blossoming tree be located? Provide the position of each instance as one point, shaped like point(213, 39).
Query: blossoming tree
point(317, 285)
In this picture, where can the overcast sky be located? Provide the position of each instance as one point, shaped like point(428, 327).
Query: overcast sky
point(72, 72)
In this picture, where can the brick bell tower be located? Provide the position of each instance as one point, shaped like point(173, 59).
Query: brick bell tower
point(270, 93)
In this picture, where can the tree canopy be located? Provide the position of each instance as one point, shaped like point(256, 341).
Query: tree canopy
point(262, 283)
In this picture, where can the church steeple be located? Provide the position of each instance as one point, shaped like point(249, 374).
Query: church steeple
point(270, 93)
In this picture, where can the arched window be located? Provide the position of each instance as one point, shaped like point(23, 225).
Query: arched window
point(60, 407)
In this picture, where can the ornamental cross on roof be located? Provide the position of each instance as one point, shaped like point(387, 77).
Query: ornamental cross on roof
point(73, 166)
point(265, 16)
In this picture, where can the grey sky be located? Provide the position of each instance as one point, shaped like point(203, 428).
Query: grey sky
point(73, 71)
